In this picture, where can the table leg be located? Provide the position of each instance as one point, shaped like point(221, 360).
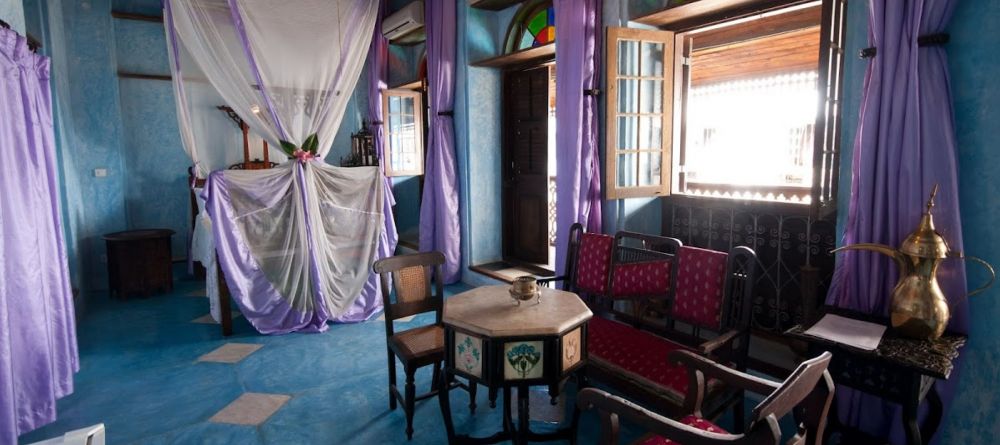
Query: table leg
point(445, 402)
point(911, 411)
point(523, 415)
point(936, 407)
point(508, 423)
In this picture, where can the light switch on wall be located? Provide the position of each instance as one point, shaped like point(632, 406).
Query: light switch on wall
point(100, 172)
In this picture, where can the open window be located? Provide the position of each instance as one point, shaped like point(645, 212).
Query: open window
point(741, 109)
point(404, 132)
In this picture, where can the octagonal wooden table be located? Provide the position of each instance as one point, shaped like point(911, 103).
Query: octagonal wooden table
point(494, 342)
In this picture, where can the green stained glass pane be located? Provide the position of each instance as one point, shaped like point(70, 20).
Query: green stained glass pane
point(538, 22)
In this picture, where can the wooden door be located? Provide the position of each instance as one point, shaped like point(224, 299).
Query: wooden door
point(525, 165)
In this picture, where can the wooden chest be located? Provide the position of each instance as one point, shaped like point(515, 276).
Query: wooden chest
point(139, 262)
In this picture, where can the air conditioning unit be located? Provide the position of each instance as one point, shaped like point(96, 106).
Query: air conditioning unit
point(404, 21)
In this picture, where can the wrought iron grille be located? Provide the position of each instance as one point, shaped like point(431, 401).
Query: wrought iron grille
point(793, 252)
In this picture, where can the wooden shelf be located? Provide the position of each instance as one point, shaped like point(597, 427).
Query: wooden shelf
point(493, 5)
point(527, 55)
point(703, 12)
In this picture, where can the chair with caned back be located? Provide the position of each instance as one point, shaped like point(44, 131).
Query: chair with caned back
point(412, 278)
point(807, 393)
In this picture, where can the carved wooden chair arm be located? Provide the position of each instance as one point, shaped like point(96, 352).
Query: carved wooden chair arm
point(612, 407)
point(725, 340)
point(547, 281)
point(697, 364)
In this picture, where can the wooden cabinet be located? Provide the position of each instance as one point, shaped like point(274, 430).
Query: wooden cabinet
point(139, 262)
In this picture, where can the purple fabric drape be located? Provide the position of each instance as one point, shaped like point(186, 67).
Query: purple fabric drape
point(439, 226)
point(378, 57)
point(38, 351)
point(578, 175)
point(905, 145)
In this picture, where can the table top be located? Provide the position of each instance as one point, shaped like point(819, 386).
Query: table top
point(490, 311)
point(130, 235)
point(934, 358)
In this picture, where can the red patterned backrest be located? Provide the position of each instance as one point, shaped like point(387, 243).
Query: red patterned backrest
point(641, 279)
point(593, 263)
point(701, 277)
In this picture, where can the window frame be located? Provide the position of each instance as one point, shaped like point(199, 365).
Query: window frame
point(418, 131)
point(667, 39)
point(827, 138)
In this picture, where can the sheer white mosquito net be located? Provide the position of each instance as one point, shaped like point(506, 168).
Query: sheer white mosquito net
point(296, 242)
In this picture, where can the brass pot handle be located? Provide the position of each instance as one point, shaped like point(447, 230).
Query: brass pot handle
point(989, 268)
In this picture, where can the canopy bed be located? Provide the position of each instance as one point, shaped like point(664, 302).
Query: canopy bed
point(293, 242)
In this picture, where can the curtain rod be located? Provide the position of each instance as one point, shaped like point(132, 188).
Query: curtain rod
point(139, 17)
point(128, 75)
point(922, 41)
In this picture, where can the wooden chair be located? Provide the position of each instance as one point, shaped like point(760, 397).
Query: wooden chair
point(416, 347)
point(808, 392)
point(643, 272)
point(588, 264)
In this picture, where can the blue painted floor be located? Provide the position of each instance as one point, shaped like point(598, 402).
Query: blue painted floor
point(140, 376)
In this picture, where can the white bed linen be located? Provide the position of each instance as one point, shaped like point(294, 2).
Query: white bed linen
point(203, 251)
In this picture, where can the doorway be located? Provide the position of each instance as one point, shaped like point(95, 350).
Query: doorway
point(529, 166)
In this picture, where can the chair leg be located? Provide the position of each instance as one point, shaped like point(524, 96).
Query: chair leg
point(410, 395)
point(472, 396)
point(739, 417)
point(493, 397)
point(392, 381)
point(435, 379)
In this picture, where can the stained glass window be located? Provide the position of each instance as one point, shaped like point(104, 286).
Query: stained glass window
point(532, 26)
point(540, 29)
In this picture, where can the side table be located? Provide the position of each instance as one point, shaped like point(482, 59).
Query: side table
point(900, 370)
point(492, 342)
point(139, 262)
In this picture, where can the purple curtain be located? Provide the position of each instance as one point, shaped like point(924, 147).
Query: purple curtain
point(905, 145)
point(578, 174)
point(378, 57)
point(38, 352)
point(439, 226)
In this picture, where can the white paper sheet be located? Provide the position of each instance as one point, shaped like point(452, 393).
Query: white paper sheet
point(848, 331)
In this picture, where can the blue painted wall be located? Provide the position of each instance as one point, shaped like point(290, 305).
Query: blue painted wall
point(12, 12)
point(155, 162)
point(478, 139)
point(79, 38)
point(974, 63)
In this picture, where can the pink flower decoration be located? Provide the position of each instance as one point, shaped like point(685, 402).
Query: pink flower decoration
point(303, 155)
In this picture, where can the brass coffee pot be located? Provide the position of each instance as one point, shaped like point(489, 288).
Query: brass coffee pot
point(919, 309)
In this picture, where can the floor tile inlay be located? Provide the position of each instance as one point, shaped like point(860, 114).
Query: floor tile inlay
point(250, 409)
point(230, 353)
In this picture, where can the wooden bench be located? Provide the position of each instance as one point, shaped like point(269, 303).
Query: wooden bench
point(705, 294)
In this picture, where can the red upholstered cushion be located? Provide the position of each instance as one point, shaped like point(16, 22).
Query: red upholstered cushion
point(644, 279)
point(594, 263)
point(701, 275)
point(638, 352)
point(696, 422)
